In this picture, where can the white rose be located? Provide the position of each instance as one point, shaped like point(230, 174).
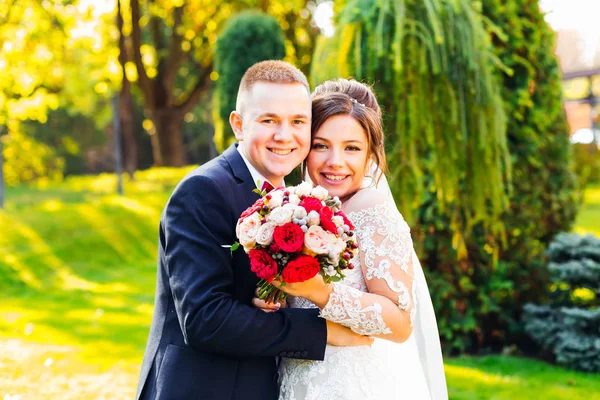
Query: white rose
point(299, 212)
point(276, 198)
point(319, 192)
point(317, 240)
point(337, 245)
point(247, 230)
point(264, 237)
point(313, 218)
point(294, 199)
point(338, 221)
point(281, 215)
point(304, 189)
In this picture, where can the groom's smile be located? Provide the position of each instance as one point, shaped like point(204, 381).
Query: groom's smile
point(280, 152)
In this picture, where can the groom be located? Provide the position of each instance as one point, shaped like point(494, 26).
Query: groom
point(207, 341)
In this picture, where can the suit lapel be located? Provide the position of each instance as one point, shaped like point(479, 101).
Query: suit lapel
point(241, 173)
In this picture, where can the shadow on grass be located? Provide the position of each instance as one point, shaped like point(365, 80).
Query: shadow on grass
point(82, 274)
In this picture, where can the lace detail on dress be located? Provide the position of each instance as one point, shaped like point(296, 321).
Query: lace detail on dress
point(383, 272)
point(385, 221)
point(384, 370)
point(386, 249)
point(344, 307)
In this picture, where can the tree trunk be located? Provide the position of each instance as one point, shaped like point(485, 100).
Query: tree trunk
point(130, 150)
point(129, 145)
point(165, 108)
point(169, 132)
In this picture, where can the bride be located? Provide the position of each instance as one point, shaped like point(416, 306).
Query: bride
point(385, 295)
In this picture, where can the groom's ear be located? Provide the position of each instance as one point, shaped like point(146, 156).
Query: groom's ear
point(235, 120)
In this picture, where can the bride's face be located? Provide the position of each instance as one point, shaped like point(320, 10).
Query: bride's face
point(338, 157)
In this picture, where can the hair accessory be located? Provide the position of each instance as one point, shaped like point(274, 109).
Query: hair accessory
point(356, 102)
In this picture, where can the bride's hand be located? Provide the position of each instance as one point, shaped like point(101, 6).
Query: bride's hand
point(266, 306)
point(314, 289)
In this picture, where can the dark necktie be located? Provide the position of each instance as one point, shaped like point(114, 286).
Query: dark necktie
point(266, 186)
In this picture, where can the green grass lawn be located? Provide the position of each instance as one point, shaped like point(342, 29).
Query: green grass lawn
point(77, 276)
point(588, 220)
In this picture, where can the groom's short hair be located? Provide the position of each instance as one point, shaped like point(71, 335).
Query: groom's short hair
point(271, 71)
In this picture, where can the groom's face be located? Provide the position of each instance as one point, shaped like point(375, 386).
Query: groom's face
point(274, 128)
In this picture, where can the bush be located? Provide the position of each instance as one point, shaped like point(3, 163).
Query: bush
point(69, 135)
point(480, 298)
point(26, 160)
point(568, 326)
point(247, 38)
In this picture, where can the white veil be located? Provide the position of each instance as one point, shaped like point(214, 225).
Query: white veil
point(425, 327)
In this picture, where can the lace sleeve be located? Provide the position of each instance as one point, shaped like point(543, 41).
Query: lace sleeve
point(385, 254)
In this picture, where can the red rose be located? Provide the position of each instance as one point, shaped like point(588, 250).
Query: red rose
point(326, 214)
point(300, 269)
point(258, 204)
point(311, 204)
point(274, 248)
point(262, 264)
point(346, 220)
point(289, 237)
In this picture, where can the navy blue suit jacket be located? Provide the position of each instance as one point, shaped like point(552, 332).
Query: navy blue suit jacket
point(206, 340)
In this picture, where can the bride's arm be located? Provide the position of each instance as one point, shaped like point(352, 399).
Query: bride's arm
point(387, 310)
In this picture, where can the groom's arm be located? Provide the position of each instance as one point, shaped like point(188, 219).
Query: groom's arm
point(197, 223)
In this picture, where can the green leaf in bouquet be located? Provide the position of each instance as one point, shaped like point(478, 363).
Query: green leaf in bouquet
point(234, 247)
point(259, 192)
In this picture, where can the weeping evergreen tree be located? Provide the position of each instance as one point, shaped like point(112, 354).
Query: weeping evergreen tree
point(432, 66)
point(247, 38)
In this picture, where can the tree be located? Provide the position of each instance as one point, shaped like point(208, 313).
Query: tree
point(432, 67)
point(479, 281)
point(27, 90)
point(479, 299)
point(172, 48)
point(56, 55)
point(247, 38)
point(568, 326)
point(126, 102)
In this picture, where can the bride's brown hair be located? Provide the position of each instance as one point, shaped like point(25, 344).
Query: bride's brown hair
point(353, 98)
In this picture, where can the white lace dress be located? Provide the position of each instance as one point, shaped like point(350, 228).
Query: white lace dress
point(384, 370)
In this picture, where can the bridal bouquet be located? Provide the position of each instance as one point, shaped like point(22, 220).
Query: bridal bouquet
point(292, 234)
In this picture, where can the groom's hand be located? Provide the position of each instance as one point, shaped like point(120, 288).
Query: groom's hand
point(338, 335)
point(267, 306)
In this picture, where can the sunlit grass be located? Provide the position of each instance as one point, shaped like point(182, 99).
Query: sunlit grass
point(77, 280)
point(499, 377)
point(77, 277)
point(588, 220)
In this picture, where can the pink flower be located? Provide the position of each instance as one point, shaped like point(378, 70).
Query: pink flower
point(247, 229)
point(264, 237)
point(317, 240)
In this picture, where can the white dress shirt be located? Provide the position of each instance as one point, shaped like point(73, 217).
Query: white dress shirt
point(256, 176)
